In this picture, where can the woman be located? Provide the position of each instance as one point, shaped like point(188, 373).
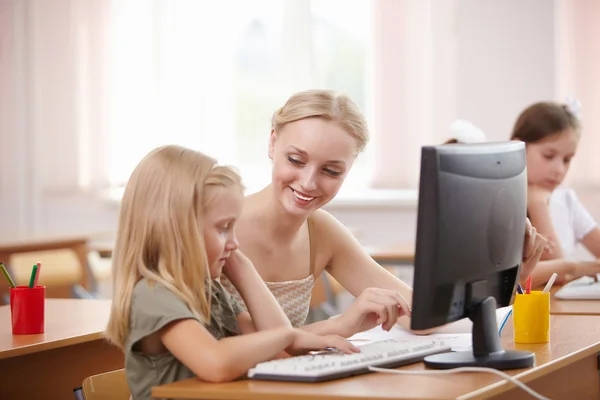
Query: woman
point(315, 138)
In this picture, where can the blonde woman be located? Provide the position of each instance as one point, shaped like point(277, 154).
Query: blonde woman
point(170, 314)
point(315, 138)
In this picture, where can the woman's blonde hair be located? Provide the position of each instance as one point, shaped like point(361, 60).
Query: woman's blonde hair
point(159, 235)
point(326, 104)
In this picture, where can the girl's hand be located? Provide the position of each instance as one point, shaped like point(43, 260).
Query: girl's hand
point(306, 341)
point(585, 268)
point(535, 244)
point(237, 265)
point(373, 307)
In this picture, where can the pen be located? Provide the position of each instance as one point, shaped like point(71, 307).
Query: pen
point(550, 283)
point(504, 321)
point(519, 288)
point(33, 274)
point(528, 285)
point(37, 276)
point(11, 283)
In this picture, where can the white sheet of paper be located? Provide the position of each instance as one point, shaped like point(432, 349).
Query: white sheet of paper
point(460, 341)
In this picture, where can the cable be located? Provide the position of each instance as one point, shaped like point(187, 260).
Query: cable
point(464, 369)
point(506, 317)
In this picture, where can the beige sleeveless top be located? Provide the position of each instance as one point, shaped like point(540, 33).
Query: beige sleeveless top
point(292, 296)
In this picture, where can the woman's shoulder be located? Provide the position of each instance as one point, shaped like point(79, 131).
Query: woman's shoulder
point(328, 226)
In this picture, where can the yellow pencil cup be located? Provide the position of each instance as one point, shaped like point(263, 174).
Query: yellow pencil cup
point(531, 317)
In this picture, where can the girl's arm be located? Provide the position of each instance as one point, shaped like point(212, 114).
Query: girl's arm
point(229, 358)
point(226, 359)
point(566, 270)
point(264, 310)
point(538, 207)
point(591, 241)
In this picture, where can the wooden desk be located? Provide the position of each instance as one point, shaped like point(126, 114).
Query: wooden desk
point(25, 244)
point(566, 368)
point(398, 254)
point(573, 307)
point(52, 364)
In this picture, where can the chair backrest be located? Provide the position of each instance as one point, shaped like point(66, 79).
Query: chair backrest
point(59, 267)
point(107, 386)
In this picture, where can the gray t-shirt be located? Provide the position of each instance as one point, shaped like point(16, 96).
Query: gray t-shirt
point(152, 308)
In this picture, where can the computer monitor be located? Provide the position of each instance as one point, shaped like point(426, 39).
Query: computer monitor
point(470, 238)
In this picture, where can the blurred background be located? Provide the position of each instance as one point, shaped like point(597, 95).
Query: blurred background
point(89, 87)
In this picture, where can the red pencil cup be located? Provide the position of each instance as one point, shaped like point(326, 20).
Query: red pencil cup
point(28, 309)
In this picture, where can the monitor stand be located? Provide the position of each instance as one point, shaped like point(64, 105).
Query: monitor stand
point(487, 349)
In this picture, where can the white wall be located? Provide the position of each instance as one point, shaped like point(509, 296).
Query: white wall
point(504, 60)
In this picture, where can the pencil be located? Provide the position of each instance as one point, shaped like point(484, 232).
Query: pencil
point(11, 283)
point(33, 274)
point(550, 283)
point(37, 275)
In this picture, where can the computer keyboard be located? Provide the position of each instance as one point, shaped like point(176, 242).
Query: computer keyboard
point(334, 365)
point(585, 288)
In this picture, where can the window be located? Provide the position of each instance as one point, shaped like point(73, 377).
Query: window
point(194, 73)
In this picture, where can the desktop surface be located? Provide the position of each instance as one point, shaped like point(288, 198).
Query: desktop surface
point(57, 361)
point(68, 322)
point(572, 307)
point(572, 353)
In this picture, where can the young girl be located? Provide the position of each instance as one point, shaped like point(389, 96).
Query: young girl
point(170, 314)
point(551, 132)
point(314, 140)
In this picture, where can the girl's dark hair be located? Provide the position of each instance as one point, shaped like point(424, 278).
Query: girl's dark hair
point(544, 119)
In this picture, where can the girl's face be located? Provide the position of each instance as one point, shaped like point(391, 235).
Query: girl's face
point(549, 159)
point(218, 227)
point(311, 159)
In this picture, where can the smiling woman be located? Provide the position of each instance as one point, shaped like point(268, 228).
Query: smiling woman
point(315, 139)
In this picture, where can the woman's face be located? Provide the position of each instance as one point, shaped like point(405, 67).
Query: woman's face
point(548, 160)
point(311, 158)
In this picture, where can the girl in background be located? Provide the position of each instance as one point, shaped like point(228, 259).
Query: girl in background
point(170, 314)
point(551, 133)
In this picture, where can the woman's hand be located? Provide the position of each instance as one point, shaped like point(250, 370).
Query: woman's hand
point(373, 307)
point(307, 341)
point(535, 244)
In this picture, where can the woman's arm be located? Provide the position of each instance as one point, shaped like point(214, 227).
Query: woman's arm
point(356, 271)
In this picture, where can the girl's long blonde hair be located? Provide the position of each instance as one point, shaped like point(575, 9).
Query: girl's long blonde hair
point(159, 236)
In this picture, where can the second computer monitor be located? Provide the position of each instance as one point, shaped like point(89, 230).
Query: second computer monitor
point(470, 236)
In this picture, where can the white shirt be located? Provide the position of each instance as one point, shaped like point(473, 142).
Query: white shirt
point(572, 222)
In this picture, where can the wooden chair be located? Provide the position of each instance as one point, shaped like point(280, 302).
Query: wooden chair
point(61, 272)
point(107, 386)
point(324, 295)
